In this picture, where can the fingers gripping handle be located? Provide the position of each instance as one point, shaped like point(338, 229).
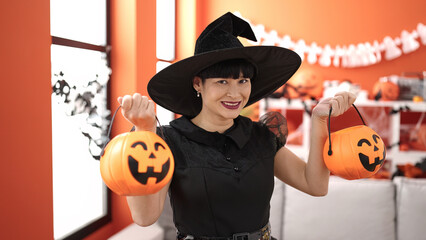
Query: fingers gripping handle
point(110, 127)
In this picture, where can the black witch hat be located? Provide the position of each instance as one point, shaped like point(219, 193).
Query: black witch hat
point(172, 87)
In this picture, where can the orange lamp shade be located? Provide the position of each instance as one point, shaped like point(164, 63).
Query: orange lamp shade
point(357, 152)
point(137, 163)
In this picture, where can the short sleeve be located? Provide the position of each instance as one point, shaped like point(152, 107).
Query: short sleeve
point(277, 124)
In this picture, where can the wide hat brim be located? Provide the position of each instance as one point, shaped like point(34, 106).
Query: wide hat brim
point(172, 87)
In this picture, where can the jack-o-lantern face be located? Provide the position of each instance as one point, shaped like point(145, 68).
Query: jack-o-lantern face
point(154, 163)
point(305, 84)
point(357, 152)
point(386, 91)
point(137, 163)
point(370, 150)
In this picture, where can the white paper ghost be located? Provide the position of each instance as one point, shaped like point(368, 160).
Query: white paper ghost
point(362, 55)
point(325, 59)
point(392, 51)
point(286, 42)
point(338, 53)
point(345, 57)
point(377, 51)
point(259, 32)
point(271, 38)
point(421, 31)
point(370, 52)
point(313, 51)
point(409, 44)
point(301, 48)
point(352, 58)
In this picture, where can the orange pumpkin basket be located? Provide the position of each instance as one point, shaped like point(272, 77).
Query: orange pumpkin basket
point(357, 152)
point(136, 163)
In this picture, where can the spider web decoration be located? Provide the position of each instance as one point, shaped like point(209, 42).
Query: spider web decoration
point(84, 94)
point(80, 119)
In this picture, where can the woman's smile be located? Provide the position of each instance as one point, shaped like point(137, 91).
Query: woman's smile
point(231, 105)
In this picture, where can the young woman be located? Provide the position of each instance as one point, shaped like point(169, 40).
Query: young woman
point(224, 163)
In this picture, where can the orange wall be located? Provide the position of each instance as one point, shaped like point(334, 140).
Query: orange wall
point(26, 202)
point(26, 175)
point(133, 62)
point(26, 210)
point(333, 22)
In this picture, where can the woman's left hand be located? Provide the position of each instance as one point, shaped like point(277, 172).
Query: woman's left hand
point(340, 103)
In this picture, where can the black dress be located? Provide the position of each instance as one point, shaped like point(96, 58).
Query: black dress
point(222, 183)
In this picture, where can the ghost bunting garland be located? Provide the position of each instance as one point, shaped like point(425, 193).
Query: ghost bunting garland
point(351, 56)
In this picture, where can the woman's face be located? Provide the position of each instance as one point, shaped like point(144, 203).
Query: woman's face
point(223, 97)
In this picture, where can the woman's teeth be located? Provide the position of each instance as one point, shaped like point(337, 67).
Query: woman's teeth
point(230, 104)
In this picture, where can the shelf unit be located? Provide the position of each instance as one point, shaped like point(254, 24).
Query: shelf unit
point(397, 156)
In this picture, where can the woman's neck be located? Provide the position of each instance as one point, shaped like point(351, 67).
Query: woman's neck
point(212, 124)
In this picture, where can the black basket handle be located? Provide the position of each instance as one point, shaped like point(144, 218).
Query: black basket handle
point(330, 152)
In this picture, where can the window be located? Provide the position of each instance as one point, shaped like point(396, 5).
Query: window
point(80, 116)
point(165, 41)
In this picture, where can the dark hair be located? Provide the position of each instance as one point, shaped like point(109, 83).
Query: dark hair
point(229, 69)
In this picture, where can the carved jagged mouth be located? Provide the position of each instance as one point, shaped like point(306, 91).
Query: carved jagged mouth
point(143, 177)
point(365, 161)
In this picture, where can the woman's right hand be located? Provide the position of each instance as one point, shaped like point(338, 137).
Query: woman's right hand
point(139, 111)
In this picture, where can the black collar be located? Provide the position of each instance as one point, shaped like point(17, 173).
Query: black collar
point(239, 132)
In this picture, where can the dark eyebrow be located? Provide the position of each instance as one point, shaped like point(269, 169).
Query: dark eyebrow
point(139, 143)
point(157, 144)
point(375, 137)
point(363, 141)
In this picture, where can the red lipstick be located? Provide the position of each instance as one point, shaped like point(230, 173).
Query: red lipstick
point(231, 105)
